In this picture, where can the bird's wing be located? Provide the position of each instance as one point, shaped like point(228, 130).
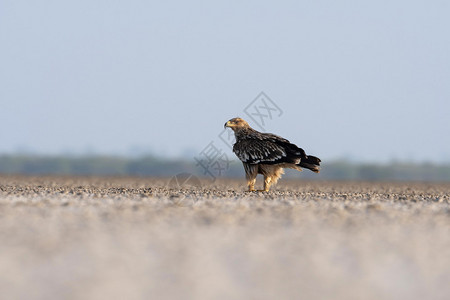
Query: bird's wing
point(255, 151)
point(266, 148)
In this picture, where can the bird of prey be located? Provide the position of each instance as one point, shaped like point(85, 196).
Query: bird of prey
point(267, 154)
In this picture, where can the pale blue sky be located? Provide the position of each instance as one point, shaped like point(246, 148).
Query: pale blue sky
point(366, 80)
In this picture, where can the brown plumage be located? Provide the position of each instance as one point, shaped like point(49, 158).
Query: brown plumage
point(267, 154)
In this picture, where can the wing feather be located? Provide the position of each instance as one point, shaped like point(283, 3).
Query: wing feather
point(266, 148)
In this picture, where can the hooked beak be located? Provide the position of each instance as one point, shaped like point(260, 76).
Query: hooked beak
point(226, 124)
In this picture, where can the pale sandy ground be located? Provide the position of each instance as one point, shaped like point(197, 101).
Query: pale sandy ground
point(113, 238)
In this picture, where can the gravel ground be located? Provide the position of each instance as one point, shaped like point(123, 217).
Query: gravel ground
point(138, 238)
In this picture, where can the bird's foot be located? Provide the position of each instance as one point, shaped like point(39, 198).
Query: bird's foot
point(253, 190)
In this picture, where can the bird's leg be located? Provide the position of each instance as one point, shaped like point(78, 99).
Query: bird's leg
point(251, 184)
point(251, 171)
point(267, 181)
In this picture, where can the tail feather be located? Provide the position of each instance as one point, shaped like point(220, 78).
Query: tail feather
point(311, 162)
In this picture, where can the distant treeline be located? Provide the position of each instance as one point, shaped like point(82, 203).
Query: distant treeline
point(153, 166)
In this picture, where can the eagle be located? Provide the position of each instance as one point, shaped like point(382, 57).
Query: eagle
point(267, 154)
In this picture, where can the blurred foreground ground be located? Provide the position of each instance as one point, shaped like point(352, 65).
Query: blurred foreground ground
point(136, 238)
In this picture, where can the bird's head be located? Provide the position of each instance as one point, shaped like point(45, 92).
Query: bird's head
point(236, 123)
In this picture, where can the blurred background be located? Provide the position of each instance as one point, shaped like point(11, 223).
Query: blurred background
point(143, 87)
